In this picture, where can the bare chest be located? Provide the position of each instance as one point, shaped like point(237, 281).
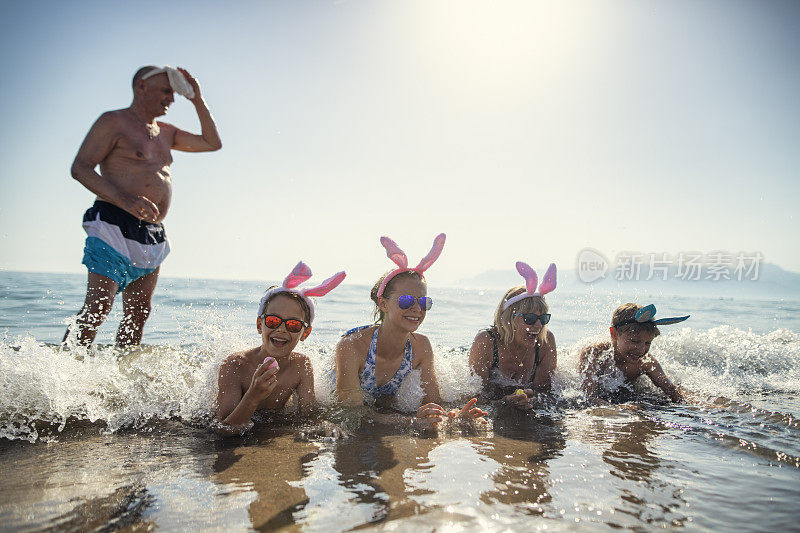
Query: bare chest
point(630, 371)
point(514, 366)
point(144, 147)
point(288, 381)
point(516, 371)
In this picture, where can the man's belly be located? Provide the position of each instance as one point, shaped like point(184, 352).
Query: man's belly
point(156, 187)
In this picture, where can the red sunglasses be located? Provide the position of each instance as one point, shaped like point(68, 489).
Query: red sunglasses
point(292, 324)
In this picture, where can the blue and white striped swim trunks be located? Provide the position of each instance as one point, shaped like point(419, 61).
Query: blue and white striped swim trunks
point(121, 247)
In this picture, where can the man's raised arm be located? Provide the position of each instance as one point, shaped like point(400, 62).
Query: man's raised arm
point(208, 140)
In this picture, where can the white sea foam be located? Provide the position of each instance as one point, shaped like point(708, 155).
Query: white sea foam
point(44, 385)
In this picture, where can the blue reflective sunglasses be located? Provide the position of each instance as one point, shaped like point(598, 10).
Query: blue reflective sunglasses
point(406, 300)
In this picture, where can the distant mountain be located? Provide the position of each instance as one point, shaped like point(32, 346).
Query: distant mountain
point(772, 282)
point(493, 279)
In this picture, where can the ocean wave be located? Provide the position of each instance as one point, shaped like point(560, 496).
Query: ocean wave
point(46, 386)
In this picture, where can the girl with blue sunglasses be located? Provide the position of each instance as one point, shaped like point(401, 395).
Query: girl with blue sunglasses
point(374, 361)
point(516, 357)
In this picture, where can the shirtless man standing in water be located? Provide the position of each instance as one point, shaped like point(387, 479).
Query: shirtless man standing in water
point(126, 242)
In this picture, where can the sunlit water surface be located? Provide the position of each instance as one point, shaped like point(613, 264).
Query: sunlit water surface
point(105, 440)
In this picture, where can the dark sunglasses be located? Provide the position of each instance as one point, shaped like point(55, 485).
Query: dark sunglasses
point(292, 324)
point(531, 318)
point(406, 300)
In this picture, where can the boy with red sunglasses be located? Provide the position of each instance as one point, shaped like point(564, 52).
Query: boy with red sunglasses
point(265, 377)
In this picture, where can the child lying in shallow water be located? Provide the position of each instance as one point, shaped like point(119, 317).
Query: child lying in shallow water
point(518, 350)
point(633, 329)
point(375, 360)
point(265, 377)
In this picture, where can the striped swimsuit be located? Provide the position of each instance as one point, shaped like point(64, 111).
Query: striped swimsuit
point(367, 376)
point(121, 247)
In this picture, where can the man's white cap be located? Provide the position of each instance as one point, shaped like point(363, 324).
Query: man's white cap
point(176, 80)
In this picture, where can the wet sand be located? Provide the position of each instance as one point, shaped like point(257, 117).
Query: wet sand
point(610, 467)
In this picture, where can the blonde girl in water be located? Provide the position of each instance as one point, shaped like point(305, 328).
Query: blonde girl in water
point(516, 357)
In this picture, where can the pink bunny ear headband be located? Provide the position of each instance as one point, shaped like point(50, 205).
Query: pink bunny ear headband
point(397, 255)
point(548, 283)
point(298, 275)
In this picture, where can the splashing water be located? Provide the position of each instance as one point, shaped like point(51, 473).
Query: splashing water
point(44, 385)
point(135, 446)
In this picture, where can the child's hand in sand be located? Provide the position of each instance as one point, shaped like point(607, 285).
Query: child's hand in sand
point(469, 412)
point(428, 416)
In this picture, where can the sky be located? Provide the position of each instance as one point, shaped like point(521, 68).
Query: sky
point(524, 130)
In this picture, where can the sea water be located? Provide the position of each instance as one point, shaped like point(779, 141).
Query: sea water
point(103, 438)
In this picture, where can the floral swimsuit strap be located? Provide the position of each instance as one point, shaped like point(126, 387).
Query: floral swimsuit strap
point(367, 376)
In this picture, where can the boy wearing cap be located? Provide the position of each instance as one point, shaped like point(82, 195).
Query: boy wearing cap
point(606, 365)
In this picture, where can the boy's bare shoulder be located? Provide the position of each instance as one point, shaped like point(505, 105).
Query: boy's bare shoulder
point(593, 350)
point(236, 362)
point(590, 360)
point(300, 360)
